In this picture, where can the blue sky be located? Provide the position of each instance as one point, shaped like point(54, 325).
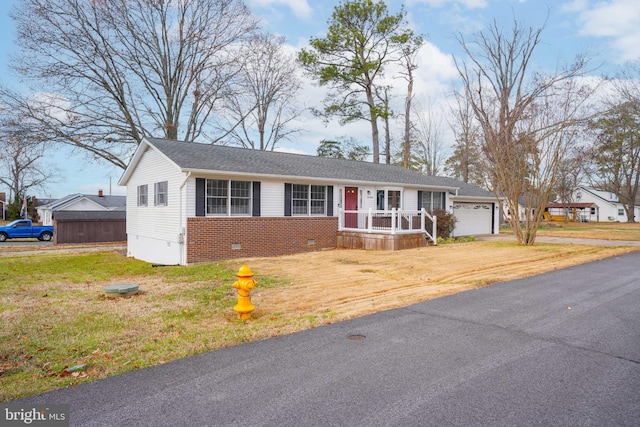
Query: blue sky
point(608, 29)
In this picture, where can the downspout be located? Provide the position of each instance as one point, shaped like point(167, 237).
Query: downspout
point(183, 230)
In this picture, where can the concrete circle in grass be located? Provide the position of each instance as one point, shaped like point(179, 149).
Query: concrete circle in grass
point(120, 290)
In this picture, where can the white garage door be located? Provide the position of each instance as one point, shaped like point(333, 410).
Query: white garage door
point(472, 218)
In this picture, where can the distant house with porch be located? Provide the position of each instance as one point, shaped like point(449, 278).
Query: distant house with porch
point(608, 207)
point(573, 212)
point(189, 202)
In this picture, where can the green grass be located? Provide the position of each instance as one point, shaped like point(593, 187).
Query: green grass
point(55, 316)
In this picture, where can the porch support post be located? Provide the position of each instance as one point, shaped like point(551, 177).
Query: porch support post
point(394, 217)
point(423, 217)
point(340, 219)
point(370, 221)
point(433, 231)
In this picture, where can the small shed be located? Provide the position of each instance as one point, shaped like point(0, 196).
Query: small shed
point(89, 226)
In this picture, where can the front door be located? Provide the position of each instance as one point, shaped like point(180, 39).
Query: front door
point(351, 204)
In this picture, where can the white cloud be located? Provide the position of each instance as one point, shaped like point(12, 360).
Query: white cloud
point(52, 104)
point(617, 20)
point(300, 8)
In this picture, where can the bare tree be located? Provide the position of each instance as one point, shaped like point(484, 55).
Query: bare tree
point(121, 69)
point(427, 140)
point(382, 93)
point(627, 82)
point(465, 163)
point(22, 158)
point(525, 117)
point(408, 60)
point(264, 103)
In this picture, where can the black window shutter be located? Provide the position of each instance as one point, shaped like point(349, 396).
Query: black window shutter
point(287, 199)
point(256, 199)
point(419, 200)
point(329, 200)
point(200, 196)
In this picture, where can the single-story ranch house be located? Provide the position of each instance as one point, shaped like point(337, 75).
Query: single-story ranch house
point(189, 202)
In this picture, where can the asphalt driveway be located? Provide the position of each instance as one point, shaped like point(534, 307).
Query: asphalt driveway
point(561, 349)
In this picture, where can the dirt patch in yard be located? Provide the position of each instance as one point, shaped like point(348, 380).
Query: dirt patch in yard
point(351, 283)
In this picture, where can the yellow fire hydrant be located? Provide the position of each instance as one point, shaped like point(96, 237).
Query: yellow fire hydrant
point(244, 285)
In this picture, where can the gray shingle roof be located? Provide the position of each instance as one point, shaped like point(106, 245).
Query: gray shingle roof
point(115, 203)
point(206, 157)
point(89, 215)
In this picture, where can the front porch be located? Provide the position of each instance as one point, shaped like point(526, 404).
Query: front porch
point(392, 230)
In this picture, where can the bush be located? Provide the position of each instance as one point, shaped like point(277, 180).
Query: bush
point(444, 224)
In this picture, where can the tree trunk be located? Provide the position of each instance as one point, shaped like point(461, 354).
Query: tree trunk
point(406, 147)
point(374, 127)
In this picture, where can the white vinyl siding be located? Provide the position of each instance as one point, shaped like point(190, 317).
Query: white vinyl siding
point(410, 200)
point(162, 223)
point(272, 198)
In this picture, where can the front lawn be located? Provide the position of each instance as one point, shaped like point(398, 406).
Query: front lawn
point(55, 316)
point(59, 329)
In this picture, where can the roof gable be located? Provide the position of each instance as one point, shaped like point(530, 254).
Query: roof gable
point(105, 202)
point(599, 194)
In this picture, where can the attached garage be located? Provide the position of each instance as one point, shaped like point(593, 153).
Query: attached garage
point(473, 219)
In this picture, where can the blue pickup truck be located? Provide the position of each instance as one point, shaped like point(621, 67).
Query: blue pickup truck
point(24, 229)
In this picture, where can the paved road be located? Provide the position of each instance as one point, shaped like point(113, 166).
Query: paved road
point(558, 349)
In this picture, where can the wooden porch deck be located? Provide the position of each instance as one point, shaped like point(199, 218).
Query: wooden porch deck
point(381, 241)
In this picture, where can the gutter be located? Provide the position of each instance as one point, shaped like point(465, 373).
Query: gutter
point(181, 235)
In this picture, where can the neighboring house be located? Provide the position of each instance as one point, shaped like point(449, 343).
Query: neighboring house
point(3, 207)
point(190, 202)
point(609, 208)
point(80, 202)
point(523, 210)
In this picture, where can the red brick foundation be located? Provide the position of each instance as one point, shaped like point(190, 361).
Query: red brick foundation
point(215, 238)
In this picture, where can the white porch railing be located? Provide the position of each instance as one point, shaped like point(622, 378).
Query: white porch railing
point(395, 221)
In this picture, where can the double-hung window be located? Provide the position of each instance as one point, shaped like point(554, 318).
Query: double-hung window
point(388, 199)
point(432, 200)
point(160, 193)
point(308, 199)
point(143, 191)
point(226, 197)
